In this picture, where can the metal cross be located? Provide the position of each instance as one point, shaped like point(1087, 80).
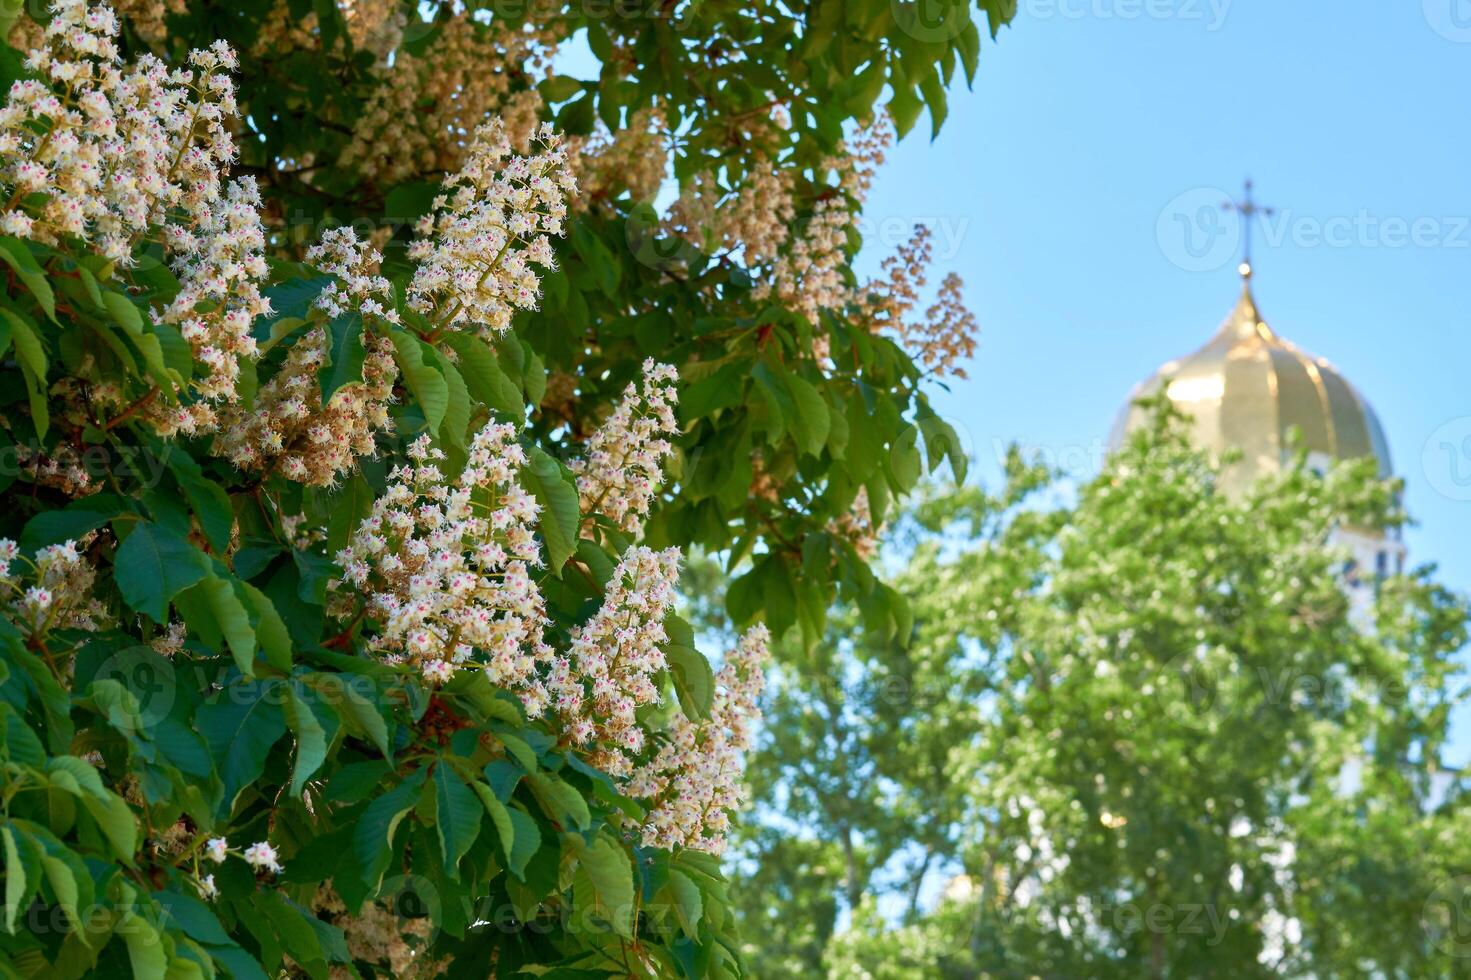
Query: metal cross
point(1248, 209)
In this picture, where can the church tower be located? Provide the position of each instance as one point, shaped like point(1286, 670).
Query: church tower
point(1248, 389)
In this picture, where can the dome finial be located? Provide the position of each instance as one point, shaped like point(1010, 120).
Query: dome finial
point(1248, 209)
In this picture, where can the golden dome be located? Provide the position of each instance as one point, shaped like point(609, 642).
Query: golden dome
point(1247, 389)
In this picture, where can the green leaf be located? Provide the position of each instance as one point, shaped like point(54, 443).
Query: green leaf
point(483, 375)
point(20, 876)
point(70, 523)
point(810, 422)
point(527, 841)
point(359, 714)
point(28, 348)
point(504, 828)
point(346, 355)
point(375, 827)
point(240, 726)
point(687, 902)
point(561, 513)
point(457, 817)
point(232, 619)
point(603, 882)
point(427, 385)
point(153, 565)
point(694, 680)
point(270, 628)
point(146, 950)
point(559, 88)
point(560, 801)
point(207, 499)
point(32, 357)
point(18, 256)
point(311, 739)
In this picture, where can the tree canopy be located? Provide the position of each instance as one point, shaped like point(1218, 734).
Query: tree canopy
point(1140, 731)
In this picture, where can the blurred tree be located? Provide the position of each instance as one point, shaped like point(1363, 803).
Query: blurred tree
point(1138, 732)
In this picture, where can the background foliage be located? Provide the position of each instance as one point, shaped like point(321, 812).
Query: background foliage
point(1140, 731)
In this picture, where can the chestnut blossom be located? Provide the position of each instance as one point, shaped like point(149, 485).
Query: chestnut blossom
point(216, 848)
point(476, 249)
point(288, 430)
point(624, 463)
point(262, 857)
point(613, 659)
point(444, 566)
point(417, 119)
point(148, 17)
point(109, 156)
point(171, 640)
point(808, 277)
point(857, 527)
point(755, 220)
point(945, 334)
point(55, 592)
point(207, 888)
point(634, 159)
point(693, 780)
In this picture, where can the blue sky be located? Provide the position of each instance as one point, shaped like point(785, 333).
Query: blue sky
point(1061, 186)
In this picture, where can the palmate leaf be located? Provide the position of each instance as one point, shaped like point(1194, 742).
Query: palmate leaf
point(345, 353)
point(376, 826)
point(603, 882)
point(456, 817)
point(153, 565)
point(425, 383)
point(553, 487)
point(240, 725)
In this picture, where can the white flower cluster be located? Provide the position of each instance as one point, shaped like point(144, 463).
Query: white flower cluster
point(755, 220)
point(148, 17)
point(417, 119)
point(614, 658)
point(634, 159)
point(945, 334)
point(55, 592)
point(808, 277)
point(446, 566)
point(108, 157)
point(62, 468)
point(624, 462)
point(372, 25)
point(261, 856)
point(489, 227)
point(694, 779)
point(288, 430)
